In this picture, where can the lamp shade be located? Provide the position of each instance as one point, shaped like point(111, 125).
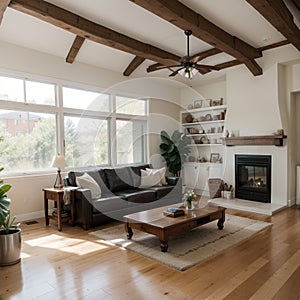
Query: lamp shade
point(58, 161)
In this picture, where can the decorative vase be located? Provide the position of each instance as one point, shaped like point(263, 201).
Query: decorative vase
point(189, 205)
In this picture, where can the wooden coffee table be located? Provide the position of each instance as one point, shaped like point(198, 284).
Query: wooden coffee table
point(154, 222)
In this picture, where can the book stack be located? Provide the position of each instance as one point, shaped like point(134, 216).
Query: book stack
point(173, 212)
point(63, 213)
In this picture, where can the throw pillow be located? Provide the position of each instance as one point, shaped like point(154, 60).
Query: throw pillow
point(162, 172)
point(149, 179)
point(87, 182)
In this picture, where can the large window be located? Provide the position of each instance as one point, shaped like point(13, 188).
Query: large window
point(28, 140)
point(86, 141)
point(22, 90)
point(131, 141)
point(131, 106)
point(88, 127)
point(86, 100)
point(11, 89)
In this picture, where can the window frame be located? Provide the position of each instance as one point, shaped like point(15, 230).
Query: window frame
point(60, 111)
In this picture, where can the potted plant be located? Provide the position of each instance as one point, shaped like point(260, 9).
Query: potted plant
point(174, 150)
point(10, 234)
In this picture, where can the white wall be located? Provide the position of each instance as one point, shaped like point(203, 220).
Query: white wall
point(164, 115)
point(213, 90)
point(290, 99)
point(256, 107)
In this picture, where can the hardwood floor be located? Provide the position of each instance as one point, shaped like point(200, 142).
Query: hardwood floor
point(74, 265)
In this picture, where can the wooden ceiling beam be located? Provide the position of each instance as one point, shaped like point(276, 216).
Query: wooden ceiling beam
point(235, 62)
point(204, 54)
point(297, 3)
point(89, 30)
point(3, 5)
point(275, 45)
point(78, 42)
point(137, 61)
point(183, 17)
point(277, 13)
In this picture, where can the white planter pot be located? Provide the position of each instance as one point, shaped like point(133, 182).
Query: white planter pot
point(10, 247)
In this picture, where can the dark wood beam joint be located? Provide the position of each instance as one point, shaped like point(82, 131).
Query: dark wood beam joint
point(82, 27)
point(137, 61)
point(3, 5)
point(78, 42)
point(183, 17)
point(277, 13)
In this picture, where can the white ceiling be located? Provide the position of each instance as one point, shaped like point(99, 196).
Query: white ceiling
point(235, 16)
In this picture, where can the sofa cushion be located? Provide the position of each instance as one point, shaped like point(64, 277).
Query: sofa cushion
point(136, 174)
point(97, 173)
point(138, 195)
point(162, 191)
point(87, 182)
point(119, 179)
point(150, 179)
point(161, 172)
point(108, 204)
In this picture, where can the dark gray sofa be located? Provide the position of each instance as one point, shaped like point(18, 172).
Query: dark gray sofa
point(121, 194)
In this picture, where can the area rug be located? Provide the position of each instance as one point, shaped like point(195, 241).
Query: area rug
point(187, 249)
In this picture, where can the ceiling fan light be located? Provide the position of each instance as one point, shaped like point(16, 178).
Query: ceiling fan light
point(188, 72)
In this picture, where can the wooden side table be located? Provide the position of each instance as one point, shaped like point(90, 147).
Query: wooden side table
point(57, 196)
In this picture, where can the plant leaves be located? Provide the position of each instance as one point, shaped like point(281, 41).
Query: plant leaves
point(5, 187)
point(176, 136)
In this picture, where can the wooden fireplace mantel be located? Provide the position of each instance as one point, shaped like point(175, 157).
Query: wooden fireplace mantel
point(276, 140)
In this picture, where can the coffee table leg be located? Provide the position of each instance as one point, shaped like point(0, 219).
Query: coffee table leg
point(129, 231)
point(163, 246)
point(163, 237)
point(221, 221)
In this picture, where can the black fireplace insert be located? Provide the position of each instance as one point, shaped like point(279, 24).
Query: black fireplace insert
point(253, 177)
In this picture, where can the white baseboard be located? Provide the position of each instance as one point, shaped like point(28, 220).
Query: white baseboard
point(30, 216)
point(291, 202)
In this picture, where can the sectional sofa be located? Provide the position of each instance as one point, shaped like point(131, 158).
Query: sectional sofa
point(122, 190)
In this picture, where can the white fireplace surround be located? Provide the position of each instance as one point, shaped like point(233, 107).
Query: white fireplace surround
point(278, 179)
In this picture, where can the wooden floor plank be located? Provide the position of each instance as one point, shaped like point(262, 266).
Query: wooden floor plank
point(75, 265)
point(277, 280)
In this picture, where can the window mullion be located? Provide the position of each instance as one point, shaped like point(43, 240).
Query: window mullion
point(113, 132)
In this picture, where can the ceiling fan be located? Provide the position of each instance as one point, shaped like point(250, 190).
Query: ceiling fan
point(188, 65)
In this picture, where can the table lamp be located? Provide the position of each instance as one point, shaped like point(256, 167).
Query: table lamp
point(58, 162)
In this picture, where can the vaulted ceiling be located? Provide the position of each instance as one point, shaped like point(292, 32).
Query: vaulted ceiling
point(136, 37)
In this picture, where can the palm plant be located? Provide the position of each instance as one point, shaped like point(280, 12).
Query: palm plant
point(174, 150)
point(5, 223)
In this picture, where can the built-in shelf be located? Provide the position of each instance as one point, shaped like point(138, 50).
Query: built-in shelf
point(276, 140)
point(202, 123)
point(204, 163)
point(204, 145)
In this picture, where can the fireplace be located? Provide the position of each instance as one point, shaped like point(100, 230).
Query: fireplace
point(253, 177)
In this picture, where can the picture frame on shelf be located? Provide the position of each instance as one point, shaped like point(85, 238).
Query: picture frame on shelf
point(217, 102)
point(198, 103)
point(206, 103)
point(190, 106)
point(214, 157)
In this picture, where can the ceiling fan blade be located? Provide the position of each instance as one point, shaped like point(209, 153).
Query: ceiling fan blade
point(201, 70)
point(176, 72)
point(159, 67)
point(204, 54)
point(207, 67)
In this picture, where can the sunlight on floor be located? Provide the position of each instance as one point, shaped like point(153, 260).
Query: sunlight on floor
point(70, 245)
